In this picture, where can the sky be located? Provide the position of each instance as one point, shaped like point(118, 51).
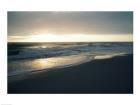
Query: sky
point(70, 26)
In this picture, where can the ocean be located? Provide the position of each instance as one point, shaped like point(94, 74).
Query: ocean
point(24, 58)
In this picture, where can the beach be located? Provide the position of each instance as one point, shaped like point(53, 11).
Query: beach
point(112, 75)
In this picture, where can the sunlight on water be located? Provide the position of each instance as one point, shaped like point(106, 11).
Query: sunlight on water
point(28, 57)
point(108, 56)
point(45, 63)
point(103, 57)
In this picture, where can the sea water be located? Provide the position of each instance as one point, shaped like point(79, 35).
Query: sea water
point(33, 57)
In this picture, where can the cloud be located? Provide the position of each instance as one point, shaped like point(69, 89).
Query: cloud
point(26, 23)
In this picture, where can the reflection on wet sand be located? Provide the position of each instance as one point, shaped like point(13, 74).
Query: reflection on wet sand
point(45, 63)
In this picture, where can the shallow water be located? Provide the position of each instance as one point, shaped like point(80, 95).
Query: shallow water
point(27, 57)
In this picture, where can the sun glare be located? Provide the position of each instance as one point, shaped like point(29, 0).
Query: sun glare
point(71, 38)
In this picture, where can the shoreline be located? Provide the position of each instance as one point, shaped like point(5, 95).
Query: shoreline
point(96, 76)
point(100, 57)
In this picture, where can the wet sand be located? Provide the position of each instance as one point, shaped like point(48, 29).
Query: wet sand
point(112, 75)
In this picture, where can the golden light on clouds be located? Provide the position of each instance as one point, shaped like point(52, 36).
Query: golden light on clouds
point(71, 38)
point(70, 26)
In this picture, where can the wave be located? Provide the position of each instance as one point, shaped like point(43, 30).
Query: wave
point(25, 59)
point(29, 52)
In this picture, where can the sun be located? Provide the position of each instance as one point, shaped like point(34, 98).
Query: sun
point(41, 38)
